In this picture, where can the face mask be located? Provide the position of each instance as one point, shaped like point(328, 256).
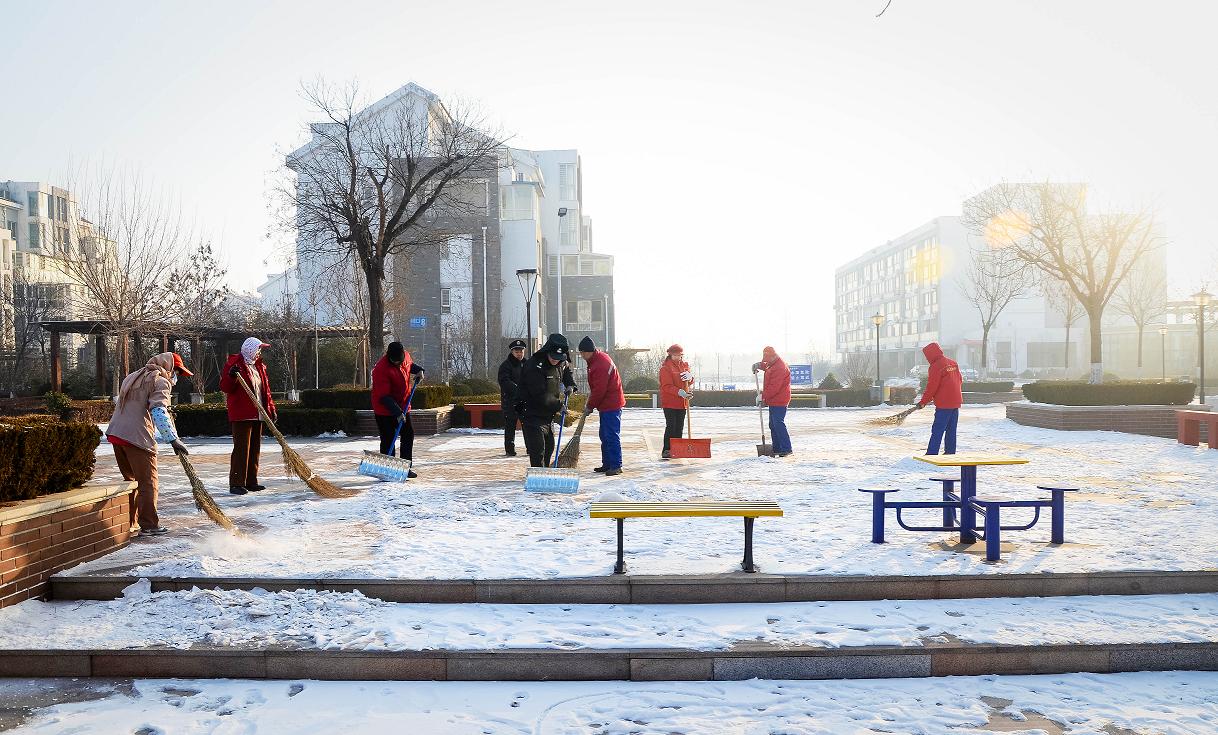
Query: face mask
point(173, 380)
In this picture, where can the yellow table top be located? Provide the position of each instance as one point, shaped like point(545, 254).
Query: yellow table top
point(967, 460)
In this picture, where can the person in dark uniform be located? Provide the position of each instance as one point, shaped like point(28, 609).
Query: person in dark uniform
point(545, 379)
point(509, 379)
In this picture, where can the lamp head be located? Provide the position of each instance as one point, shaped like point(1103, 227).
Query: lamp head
point(877, 319)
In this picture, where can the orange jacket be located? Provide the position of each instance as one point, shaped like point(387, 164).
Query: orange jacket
point(670, 383)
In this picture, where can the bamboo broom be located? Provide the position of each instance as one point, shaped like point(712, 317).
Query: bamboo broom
point(204, 500)
point(291, 459)
point(569, 456)
point(894, 420)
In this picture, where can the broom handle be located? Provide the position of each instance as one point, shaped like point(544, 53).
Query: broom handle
point(261, 412)
point(398, 432)
point(760, 420)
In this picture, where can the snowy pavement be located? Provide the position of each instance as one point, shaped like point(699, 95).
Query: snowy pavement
point(1146, 504)
point(1168, 703)
point(352, 622)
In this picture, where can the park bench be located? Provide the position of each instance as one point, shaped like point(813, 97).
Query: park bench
point(1188, 427)
point(989, 507)
point(749, 510)
point(476, 410)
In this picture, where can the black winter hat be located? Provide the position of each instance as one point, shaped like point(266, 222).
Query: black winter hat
point(517, 344)
point(557, 345)
point(395, 352)
point(586, 345)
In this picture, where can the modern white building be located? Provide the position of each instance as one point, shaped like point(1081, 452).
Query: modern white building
point(916, 283)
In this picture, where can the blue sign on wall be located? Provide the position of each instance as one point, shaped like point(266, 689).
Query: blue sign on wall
point(418, 322)
point(801, 375)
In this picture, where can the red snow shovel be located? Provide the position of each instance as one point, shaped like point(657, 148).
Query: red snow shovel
point(689, 448)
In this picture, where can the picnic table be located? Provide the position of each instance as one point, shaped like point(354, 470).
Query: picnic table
point(968, 464)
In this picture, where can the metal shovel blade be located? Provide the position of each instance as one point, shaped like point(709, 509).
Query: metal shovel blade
point(551, 480)
point(384, 467)
point(765, 450)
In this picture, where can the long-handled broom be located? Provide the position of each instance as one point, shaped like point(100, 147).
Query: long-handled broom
point(569, 456)
point(895, 419)
point(293, 461)
point(204, 500)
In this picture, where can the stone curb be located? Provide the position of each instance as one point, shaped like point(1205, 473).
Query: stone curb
point(680, 589)
point(742, 662)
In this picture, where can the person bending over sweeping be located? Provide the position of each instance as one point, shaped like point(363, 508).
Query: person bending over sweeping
point(605, 395)
point(675, 390)
point(509, 380)
point(243, 414)
point(944, 387)
point(544, 380)
point(391, 380)
point(140, 414)
point(776, 394)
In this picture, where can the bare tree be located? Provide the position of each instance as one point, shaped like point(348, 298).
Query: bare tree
point(993, 279)
point(196, 293)
point(1142, 297)
point(378, 184)
point(1048, 226)
point(857, 367)
point(31, 307)
point(1062, 299)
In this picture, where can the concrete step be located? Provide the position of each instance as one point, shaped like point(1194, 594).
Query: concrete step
point(741, 662)
point(675, 589)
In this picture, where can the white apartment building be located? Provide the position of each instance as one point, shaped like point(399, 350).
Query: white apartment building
point(916, 283)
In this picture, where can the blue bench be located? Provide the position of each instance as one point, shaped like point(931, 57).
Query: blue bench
point(990, 508)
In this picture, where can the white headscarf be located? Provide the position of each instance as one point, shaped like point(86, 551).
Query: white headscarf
point(249, 349)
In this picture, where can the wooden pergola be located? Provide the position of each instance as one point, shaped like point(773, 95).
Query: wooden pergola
point(169, 336)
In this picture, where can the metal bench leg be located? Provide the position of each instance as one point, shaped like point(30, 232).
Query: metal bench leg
point(1058, 510)
point(748, 564)
point(993, 529)
point(949, 514)
point(620, 567)
point(968, 491)
point(877, 518)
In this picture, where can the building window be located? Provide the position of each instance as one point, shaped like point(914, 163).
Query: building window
point(516, 202)
point(552, 265)
point(446, 301)
point(567, 190)
point(585, 315)
point(32, 198)
point(35, 241)
point(568, 234)
point(570, 265)
point(604, 267)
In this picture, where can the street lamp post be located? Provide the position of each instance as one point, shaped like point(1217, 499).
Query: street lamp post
point(562, 316)
point(877, 319)
point(1202, 300)
point(528, 286)
point(1163, 351)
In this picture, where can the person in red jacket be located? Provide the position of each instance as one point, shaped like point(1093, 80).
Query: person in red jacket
point(243, 414)
point(391, 380)
point(776, 393)
point(605, 395)
point(944, 387)
point(676, 388)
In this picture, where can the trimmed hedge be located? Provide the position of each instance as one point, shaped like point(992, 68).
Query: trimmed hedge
point(641, 384)
point(989, 386)
point(40, 455)
point(830, 382)
point(850, 398)
point(211, 419)
point(1116, 393)
point(427, 395)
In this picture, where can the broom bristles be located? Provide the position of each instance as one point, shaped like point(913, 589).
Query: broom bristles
point(894, 420)
point(569, 456)
point(203, 499)
point(292, 460)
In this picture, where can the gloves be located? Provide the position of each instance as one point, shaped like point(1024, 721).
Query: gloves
point(274, 414)
point(235, 371)
point(683, 393)
point(756, 367)
point(588, 410)
point(687, 376)
point(568, 390)
point(401, 418)
point(921, 406)
point(418, 378)
point(178, 447)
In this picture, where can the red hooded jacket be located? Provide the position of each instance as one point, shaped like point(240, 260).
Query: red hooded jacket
point(604, 383)
point(670, 383)
point(392, 381)
point(240, 408)
point(944, 385)
point(776, 391)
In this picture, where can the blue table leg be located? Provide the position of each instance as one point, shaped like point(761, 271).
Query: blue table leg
point(968, 517)
point(993, 529)
point(949, 514)
point(1058, 508)
point(877, 518)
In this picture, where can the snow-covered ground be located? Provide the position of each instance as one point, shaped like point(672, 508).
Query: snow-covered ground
point(1169, 703)
point(351, 621)
point(1146, 503)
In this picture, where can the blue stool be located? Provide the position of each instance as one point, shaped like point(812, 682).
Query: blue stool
point(878, 498)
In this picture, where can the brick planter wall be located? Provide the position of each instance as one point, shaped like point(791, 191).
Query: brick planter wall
point(1146, 420)
point(42, 536)
point(424, 420)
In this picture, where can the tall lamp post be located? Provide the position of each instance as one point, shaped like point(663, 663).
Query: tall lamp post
point(877, 319)
point(1163, 351)
point(528, 286)
point(1202, 300)
point(562, 309)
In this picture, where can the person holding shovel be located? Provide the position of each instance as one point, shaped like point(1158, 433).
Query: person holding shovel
point(509, 380)
point(605, 395)
point(392, 378)
point(545, 380)
point(141, 413)
point(676, 388)
point(944, 388)
point(243, 414)
point(775, 394)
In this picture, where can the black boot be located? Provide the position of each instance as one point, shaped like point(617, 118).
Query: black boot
point(237, 490)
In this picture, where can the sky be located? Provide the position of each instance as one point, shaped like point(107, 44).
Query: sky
point(735, 153)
